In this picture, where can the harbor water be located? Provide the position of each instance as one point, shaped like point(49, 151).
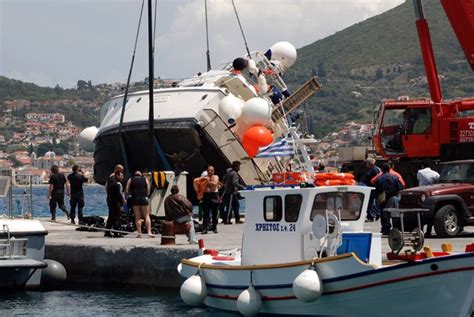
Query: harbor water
point(110, 301)
point(94, 197)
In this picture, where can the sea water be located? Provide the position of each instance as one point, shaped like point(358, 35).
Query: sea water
point(94, 196)
point(80, 300)
point(103, 301)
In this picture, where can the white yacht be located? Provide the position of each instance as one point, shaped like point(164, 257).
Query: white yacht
point(200, 121)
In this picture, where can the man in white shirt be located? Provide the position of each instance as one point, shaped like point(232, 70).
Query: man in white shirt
point(426, 176)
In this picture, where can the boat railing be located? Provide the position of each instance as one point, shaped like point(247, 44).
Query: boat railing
point(11, 248)
point(273, 186)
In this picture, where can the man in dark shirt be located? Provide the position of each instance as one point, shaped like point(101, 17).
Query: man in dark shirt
point(115, 202)
point(386, 187)
point(232, 185)
point(372, 171)
point(76, 179)
point(57, 182)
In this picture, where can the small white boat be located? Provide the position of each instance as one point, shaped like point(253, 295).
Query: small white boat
point(22, 244)
point(297, 258)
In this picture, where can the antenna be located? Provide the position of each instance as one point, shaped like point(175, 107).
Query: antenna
point(241, 30)
point(208, 54)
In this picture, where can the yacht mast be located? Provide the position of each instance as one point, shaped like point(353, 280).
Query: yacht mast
point(151, 76)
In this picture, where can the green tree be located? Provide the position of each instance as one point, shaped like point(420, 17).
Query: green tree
point(58, 89)
point(15, 162)
point(378, 74)
point(82, 85)
point(321, 69)
point(44, 147)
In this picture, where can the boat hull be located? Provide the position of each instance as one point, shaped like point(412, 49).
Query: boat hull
point(22, 244)
point(185, 147)
point(441, 286)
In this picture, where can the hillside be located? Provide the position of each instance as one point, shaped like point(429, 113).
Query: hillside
point(376, 59)
point(357, 67)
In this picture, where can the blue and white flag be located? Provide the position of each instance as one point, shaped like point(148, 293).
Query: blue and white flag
point(281, 147)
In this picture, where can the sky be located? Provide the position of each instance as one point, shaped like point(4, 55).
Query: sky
point(50, 42)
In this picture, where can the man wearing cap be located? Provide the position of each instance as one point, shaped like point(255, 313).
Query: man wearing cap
point(179, 209)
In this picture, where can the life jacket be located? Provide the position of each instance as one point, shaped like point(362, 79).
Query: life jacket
point(333, 179)
point(200, 185)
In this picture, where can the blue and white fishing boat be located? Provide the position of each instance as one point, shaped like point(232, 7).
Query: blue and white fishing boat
point(304, 252)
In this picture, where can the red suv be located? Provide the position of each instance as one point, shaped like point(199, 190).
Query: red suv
point(448, 205)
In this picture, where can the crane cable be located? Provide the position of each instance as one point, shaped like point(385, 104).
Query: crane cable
point(122, 114)
point(241, 30)
point(208, 54)
point(154, 26)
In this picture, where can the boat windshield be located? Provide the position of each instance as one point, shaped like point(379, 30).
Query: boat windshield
point(349, 204)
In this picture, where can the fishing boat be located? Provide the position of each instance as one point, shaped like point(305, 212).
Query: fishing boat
point(304, 252)
point(21, 253)
point(22, 244)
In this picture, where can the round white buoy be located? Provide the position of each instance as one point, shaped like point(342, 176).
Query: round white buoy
point(193, 291)
point(256, 111)
point(86, 138)
point(249, 302)
point(230, 108)
point(285, 53)
point(307, 286)
point(53, 275)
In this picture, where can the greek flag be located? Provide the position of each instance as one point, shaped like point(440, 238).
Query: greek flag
point(282, 147)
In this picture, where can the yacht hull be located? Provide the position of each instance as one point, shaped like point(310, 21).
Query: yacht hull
point(184, 147)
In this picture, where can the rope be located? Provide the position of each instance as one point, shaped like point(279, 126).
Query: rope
point(208, 55)
point(122, 114)
point(105, 229)
point(241, 30)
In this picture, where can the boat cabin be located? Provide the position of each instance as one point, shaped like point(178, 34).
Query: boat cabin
point(279, 223)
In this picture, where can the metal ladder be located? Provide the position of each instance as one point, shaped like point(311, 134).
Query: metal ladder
point(308, 89)
point(10, 247)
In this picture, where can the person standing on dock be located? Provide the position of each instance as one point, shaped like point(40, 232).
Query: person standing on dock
point(57, 182)
point(76, 180)
point(231, 193)
point(210, 200)
point(386, 187)
point(373, 211)
point(139, 189)
point(115, 201)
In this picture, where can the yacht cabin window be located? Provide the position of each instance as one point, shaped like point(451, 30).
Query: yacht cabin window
point(292, 207)
point(272, 208)
point(349, 204)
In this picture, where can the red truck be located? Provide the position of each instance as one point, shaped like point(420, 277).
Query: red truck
point(412, 130)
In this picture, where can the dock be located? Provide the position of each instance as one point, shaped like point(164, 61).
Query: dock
point(91, 258)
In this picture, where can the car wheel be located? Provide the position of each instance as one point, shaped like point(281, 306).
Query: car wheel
point(446, 222)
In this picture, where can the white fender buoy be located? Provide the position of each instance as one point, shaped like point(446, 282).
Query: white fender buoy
point(193, 291)
point(307, 286)
point(249, 302)
point(86, 138)
point(230, 108)
point(256, 111)
point(284, 53)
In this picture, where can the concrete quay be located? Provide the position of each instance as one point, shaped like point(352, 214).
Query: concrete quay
point(91, 258)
